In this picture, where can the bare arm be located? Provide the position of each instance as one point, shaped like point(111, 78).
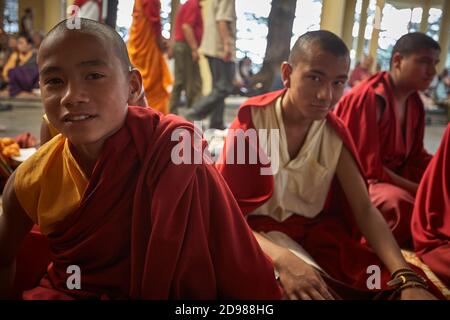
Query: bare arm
point(14, 226)
point(369, 219)
point(189, 35)
point(299, 280)
point(224, 32)
point(402, 182)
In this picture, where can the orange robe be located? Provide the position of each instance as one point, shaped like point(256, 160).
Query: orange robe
point(143, 227)
point(147, 56)
point(382, 145)
point(430, 225)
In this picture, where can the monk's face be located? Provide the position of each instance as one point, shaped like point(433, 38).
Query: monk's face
point(316, 83)
point(84, 87)
point(416, 70)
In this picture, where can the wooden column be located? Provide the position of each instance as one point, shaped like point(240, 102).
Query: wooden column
point(373, 46)
point(349, 21)
point(444, 34)
point(332, 17)
point(362, 29)
point(426, 5)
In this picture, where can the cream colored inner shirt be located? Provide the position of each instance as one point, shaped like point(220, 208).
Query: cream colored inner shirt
point(301, 185)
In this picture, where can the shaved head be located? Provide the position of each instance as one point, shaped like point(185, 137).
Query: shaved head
point(322, 39)
point(101, 31)
point(412, 43)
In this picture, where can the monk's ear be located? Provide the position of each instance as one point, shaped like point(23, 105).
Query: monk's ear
point(396, 60)
point(136, 94)
point(286, 71)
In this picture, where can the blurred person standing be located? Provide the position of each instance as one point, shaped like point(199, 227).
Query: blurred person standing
point(188, 37)
point(361, 71)
point(219, 47)
point(146, 48)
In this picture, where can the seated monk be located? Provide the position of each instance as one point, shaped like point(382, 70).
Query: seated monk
point(20, 71)
point(385, 117)
point(310, 202)
point(430, 225)
point(109, 197)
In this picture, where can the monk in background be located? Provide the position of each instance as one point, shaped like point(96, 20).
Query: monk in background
point(386, 119)
point(146, 47)
point(430, 225)
point(361, 71)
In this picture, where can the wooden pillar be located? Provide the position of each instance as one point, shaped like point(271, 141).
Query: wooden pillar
point(204, 66)
point(175, 4)
point(332, 17)
point(426, 5)
point(362, 29)
point(349, 21)
point(444, 34)
point(2, 13)
point(52, 13)
point(373, 45)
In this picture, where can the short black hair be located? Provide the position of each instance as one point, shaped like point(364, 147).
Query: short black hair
point(26, 37)
point(326, 40)
point(99, 30)
point(413, 42)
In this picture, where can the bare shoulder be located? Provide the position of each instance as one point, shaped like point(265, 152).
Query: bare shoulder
point(14, 223)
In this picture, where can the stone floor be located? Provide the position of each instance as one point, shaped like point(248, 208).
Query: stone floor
point(28, 118)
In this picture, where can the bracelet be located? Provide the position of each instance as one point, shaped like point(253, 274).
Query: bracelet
point(404, 278)
point(402, 270)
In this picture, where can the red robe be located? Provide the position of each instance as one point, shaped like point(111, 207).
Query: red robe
point(147, 228)
point(382, 145)
point(430, 224)
point(332, 238)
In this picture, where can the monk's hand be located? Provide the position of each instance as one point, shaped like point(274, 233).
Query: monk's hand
point(300, 280)
point(416, 294)
point(195, 55)
point(226, 55)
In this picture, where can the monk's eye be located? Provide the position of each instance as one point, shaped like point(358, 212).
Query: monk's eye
point(94, 76)
point(314, 78)
point(339, 83)
point(53, 81)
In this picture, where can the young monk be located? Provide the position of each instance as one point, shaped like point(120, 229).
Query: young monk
point(430, 225)
point(316, 199)
point(385, 117)
point(111, 200)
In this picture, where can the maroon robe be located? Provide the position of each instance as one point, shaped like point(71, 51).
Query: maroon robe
point(147, 228)
point(382, 144)
point(332, 238)
point(430, 225)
